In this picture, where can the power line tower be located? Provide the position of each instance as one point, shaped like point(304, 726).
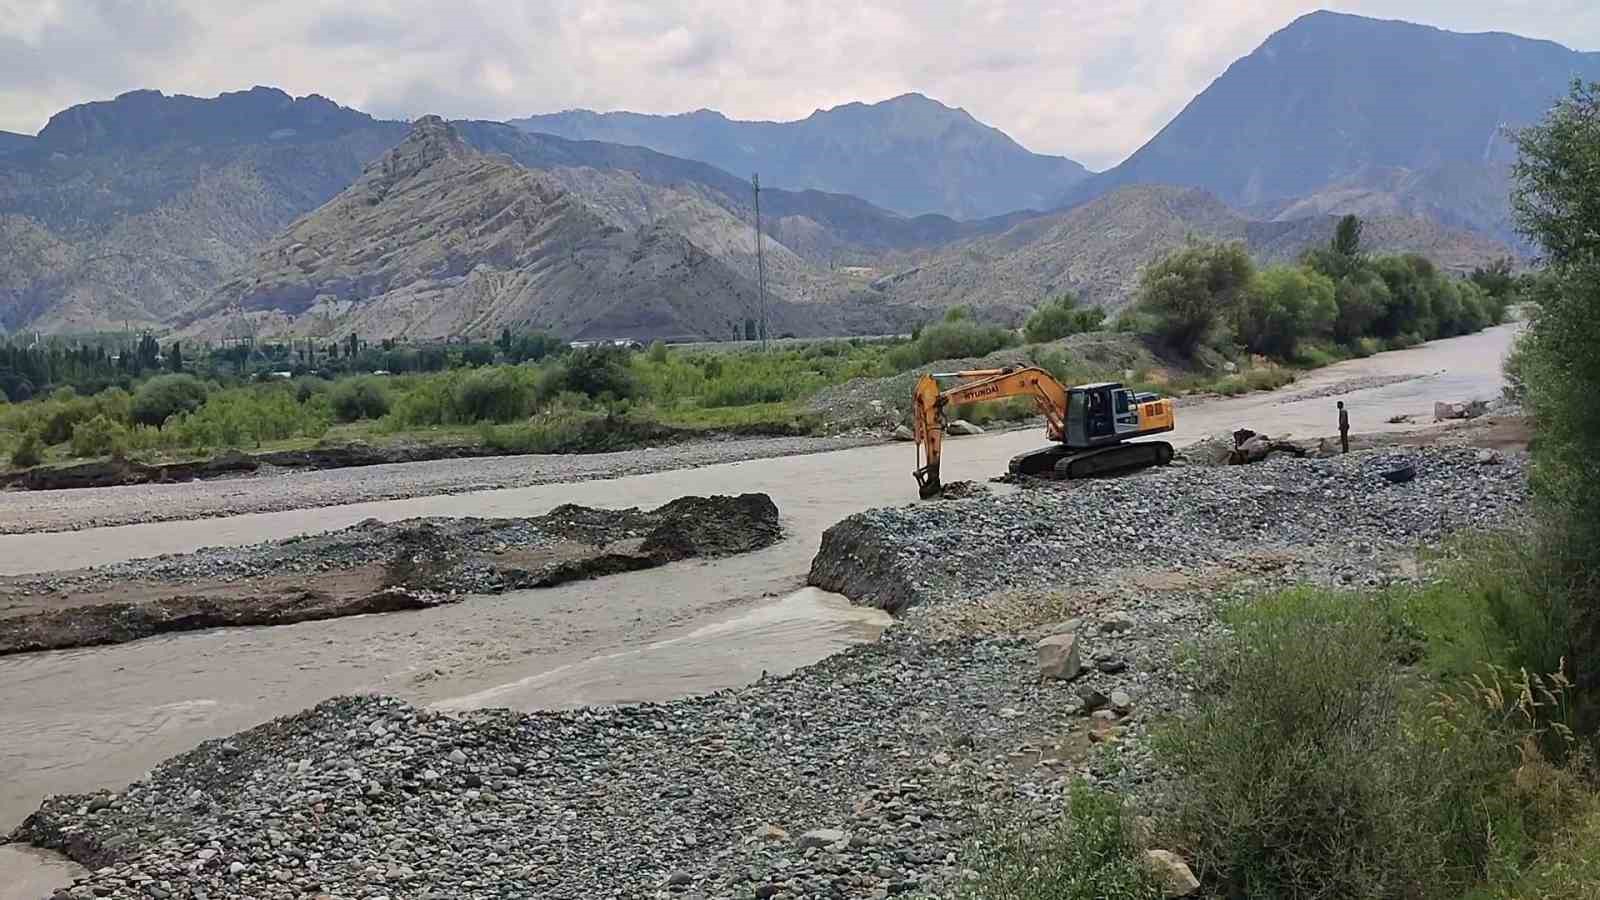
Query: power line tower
point(761, 266)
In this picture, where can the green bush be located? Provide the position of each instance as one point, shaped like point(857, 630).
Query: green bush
point(499, 394)
point(358, 398)
point(248, 417)
point(29, 453)
point(1283, 306)
point(1061, 317)
point(1312, 767)
point(958, 339)
point(597, 372)
point(309, 386)
point(1088, 854)
point(99, 436)
point(1184, 296)
point(165, 396)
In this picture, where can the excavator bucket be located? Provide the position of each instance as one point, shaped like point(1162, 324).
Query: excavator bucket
point(928, 485)
point(926, 424)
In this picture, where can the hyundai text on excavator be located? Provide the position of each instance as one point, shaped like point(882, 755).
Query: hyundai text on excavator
point(1089, 423)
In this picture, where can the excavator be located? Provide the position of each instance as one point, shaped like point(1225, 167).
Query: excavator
point(1089, 425)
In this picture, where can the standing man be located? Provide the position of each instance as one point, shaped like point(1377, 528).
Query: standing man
point(1344, 427)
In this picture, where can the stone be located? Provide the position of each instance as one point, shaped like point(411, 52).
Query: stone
point(1070, 626)
point(235, 868)
point(457, 757)
point(771, 833)
point(1058, 657)
point(678, 879)
point(904, 433)
point(1470, 409)
point(764, 891)
point(1092, 699)
point(1121, 702)
point(822, 837)
point(1176, 878)
point(1111, 664)
point(962, 427)
point(1117, 622)
point(1488, 457)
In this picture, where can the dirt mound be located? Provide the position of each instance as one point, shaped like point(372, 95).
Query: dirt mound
point(370, 567)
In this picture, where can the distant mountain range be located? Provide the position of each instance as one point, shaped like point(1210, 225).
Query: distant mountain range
point(909, 154)
point(1361, 114)
point(259, 211)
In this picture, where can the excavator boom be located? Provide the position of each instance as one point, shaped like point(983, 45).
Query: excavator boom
point(1087, 424)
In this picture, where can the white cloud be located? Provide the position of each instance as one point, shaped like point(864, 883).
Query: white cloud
point(1088, 81)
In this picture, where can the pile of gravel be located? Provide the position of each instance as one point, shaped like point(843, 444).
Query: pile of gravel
point(860, 776)
point(1057, 534)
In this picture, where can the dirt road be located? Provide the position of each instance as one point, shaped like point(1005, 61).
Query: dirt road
point(80, 719)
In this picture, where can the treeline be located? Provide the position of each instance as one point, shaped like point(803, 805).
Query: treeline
point(1337, 297)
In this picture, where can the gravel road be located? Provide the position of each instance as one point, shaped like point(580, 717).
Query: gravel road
point(32, 511)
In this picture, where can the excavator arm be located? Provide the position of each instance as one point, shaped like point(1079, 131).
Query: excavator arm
point(929, 403)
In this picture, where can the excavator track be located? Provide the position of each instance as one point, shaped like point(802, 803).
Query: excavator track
point(1060, 463)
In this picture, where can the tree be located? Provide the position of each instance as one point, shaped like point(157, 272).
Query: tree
point(599, 371)
point(359, 398)
point(1347, 237)
point(1190, 291)
point(165, 396)
point(504, 342)
point(1061, 317)
point(1556, 203)
point(1283, 306)
point(1361, 299)
point(351, 345)
point(1496, 279)
point(175, 357)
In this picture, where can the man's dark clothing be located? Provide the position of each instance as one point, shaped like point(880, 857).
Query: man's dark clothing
point(1344, 429)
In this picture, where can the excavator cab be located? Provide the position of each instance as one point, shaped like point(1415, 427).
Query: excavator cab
point(1107, 413)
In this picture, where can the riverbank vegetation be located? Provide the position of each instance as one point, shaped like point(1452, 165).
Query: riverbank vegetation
point(1435, 740)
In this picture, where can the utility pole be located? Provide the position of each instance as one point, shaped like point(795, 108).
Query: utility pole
point(761, 267)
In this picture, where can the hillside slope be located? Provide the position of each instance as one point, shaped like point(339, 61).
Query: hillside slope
point(439, 239)
point(1410, 117)
point(1098, 249)
point(909, 154)
point(147, 201)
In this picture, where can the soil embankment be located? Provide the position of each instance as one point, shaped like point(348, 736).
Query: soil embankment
point(370, 567)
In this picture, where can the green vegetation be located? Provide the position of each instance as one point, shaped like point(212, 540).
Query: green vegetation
point(957, 337)
point(358, 398)
point(165, 396)
point(1090, 853)
point(1337, 302)
point(1062, 317)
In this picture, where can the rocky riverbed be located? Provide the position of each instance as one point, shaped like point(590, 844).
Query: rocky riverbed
point(370, 567)
point(862, 776)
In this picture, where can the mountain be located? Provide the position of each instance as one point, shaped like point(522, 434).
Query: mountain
point(10, 142)
point(909, 154)
point(1405, 113)
point(128, 210)
point(437, 239)
point(1098, 248)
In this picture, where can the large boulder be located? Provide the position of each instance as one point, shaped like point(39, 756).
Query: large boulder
point(962, 427)
point(1470, 409)
point(1058, 657)
point(904, 433)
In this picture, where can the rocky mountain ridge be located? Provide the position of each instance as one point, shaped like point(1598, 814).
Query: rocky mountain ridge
point(910, 153)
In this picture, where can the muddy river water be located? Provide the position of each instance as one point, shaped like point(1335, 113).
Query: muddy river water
point(77, 720)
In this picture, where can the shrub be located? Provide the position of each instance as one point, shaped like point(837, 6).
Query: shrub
point(1060, 318)
point(359, 398)
point(28, 453)
point(247, 417)
point(99, 436)
point(1186, 294)
point(1283, 306)
point(1088, 854)
point(309, 386)
point(658, 352)
point(493, 395)
point(1311, 768)
point(165, 396)
point(744, 392)
point(598, 372)
point(959, 339)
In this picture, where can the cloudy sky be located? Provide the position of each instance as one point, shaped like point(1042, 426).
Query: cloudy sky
point(1088, 80)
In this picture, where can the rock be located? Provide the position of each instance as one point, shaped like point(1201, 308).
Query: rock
point(678, 879)
point(457, 757)
point(764, 891)
point(1070, 626)
point(1117, 622)
point(962, 427)
point(1111, 664)
point(1092, 699)
point(1176, 878)
point(904, 433)
point(1470, 409)
point(1121, 702)
point(235, 868)
point(771, 833)
point(1489, 457)
point(822, 837)
point(1058, 657)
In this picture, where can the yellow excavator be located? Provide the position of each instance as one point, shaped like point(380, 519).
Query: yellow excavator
point(1089, 424)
